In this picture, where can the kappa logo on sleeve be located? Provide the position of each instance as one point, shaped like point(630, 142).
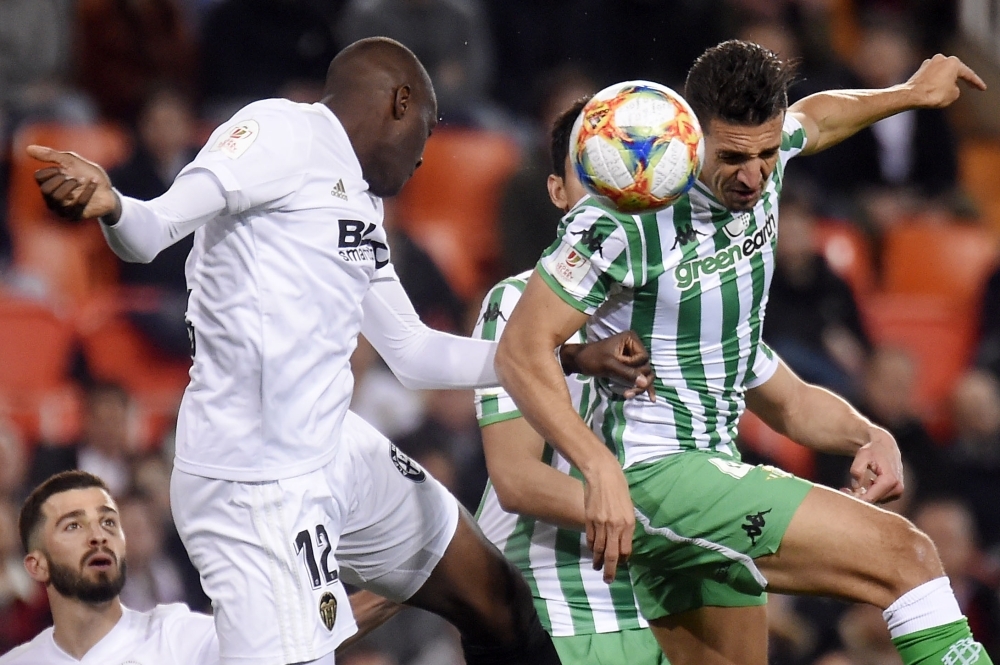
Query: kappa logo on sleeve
point(237, 139)
point(568, 266)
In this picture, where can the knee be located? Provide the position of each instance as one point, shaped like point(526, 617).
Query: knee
point(912, 558)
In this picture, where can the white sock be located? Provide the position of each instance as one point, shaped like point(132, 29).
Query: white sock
point(929, 605)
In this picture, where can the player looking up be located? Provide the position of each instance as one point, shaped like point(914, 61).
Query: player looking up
point(711, 533)
point(273, 475)
point(533, 506)
point(72, 537)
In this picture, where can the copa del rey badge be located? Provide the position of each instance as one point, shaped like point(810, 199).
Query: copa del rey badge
point(568, 266)
point(237, 139)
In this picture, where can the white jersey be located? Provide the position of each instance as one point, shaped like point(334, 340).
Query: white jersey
point(276, 284)
point(166, 635)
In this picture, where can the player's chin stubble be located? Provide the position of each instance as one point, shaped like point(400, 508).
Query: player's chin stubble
point(70, 583)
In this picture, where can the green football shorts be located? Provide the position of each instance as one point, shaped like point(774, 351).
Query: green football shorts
point(701, 520)
point(635, 647)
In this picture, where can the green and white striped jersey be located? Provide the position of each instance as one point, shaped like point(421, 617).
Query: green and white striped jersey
point(692, 282)
point(570, 596)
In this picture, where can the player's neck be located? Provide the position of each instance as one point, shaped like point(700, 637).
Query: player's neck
point(79, 625)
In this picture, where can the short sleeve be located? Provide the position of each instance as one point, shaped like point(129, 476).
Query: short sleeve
point(259, 156)
point(494, 405)
point(765, 364)
point(793, 138)
point(595, 250)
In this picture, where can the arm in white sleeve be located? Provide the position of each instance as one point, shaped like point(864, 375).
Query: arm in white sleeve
point(420, 357)
point(146, 228)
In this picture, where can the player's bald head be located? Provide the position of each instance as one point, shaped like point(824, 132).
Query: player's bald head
point(384, 99)
point(376, 64)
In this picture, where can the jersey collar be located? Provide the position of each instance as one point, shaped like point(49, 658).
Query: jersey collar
point(342, 137)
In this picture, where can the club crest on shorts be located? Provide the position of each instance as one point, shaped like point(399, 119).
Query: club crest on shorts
point(328, 609)
point(410, 469)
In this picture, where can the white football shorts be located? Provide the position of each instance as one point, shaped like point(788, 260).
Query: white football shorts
point(273, 556)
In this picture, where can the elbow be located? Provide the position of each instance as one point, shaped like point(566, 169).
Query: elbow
point(510, 497)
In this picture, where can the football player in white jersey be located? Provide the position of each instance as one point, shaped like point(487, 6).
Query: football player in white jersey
point(279, 492)
point(72, 535)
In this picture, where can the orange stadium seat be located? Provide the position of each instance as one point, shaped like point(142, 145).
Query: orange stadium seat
point(978, 165)
point(950, 260)
point(938, 332)
point(35, 352)
point(450, 205)
point(116, 351)
point(847, 252)
point(80, 261)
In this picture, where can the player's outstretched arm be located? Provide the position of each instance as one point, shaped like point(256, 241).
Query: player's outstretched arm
point(819, 419)
point(135, 230)
point(529, 371)
point(832, 116)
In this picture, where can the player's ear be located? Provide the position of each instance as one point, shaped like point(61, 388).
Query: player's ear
point(37, 566)
point(557, 192)
point(401, 101)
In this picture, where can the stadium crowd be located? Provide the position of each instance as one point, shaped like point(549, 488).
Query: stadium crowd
point(886, 289)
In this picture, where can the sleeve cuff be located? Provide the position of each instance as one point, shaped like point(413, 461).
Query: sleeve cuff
point(562, 293)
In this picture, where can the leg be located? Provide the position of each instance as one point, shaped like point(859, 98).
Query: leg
point(408, 541)
point(484, 596)
point(714, 636)
point(838, 546)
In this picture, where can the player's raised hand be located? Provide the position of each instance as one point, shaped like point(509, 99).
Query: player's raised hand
point(622, 358)
point(936, 82)
point(610, 515)
point(877, 471)
point(74, 187)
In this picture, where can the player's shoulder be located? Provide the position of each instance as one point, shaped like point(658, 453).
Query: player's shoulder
point(37, 651)
point(513, 285)
point(793, 134)
point(178, 614)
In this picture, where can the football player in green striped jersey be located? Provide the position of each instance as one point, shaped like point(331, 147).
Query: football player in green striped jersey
point(707, 533)
point(532, 508)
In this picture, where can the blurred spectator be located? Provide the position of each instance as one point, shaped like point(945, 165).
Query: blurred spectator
point(35, 41)
point(253, 49)
point(950, 525)
point(451, 38)
point(988, 352)
point(914, 151)
point(104, 447)
point(975, 451)
point(151, 479)
point(13, 463)
point(365, 655)
point(152, 577)
point(527, 219)
point(124, 46)
point(166, 133)
point(24, 607)
point(866, 638)
point(812, 317)
point(887, 398)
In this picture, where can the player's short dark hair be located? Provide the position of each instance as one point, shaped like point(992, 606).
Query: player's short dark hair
point(31, 512)
point(738, 82)
point(561, 129)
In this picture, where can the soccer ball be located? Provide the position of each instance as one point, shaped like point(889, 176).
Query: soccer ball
point(637, 146)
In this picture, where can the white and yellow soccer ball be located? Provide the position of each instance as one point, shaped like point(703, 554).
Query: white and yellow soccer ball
point(637, 146)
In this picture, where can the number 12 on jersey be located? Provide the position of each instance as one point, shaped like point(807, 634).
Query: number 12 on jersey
point(304, 548)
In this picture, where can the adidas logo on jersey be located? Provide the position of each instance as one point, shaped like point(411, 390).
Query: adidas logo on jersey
point(339, 191)
point(692, 271)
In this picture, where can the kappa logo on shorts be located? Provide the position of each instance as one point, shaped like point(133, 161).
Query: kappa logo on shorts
point(328, 609)
point(410, 469)
point(755, 525)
